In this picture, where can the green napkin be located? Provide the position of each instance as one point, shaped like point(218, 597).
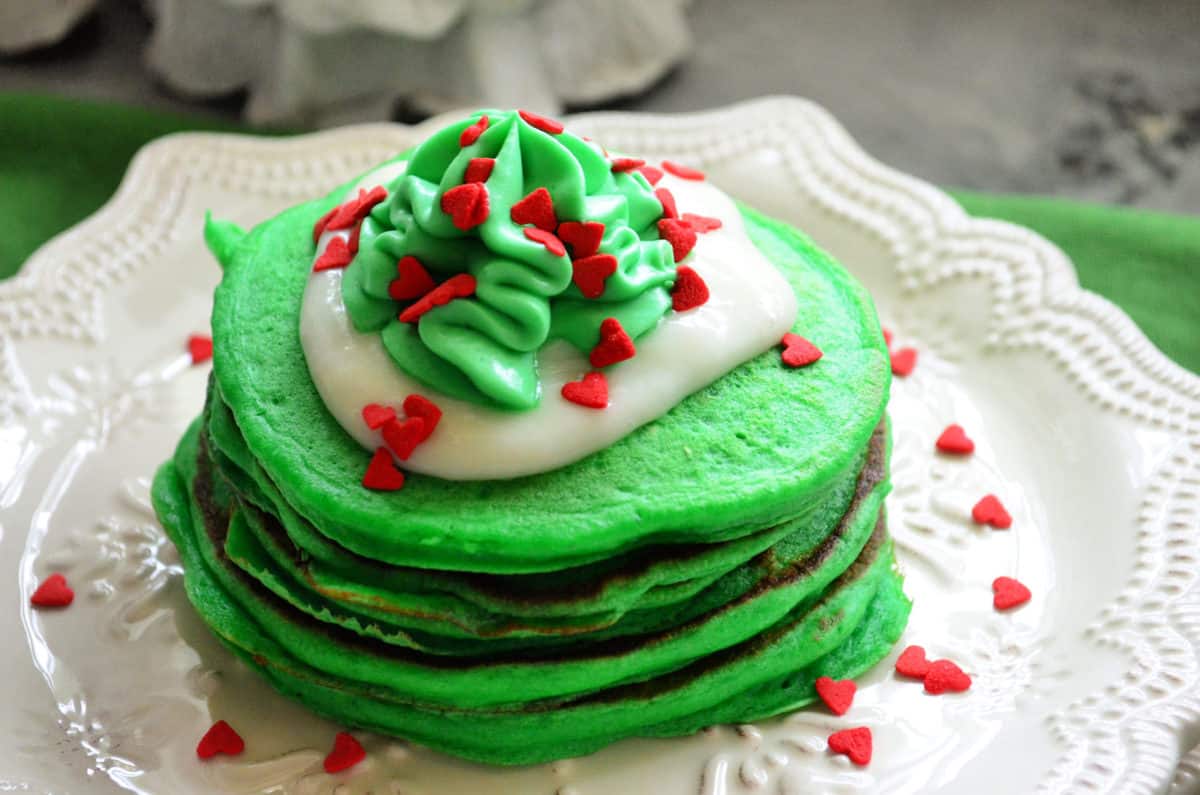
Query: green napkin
point(61, 159)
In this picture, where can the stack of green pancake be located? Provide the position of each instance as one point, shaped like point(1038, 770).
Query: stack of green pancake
point(706, 568)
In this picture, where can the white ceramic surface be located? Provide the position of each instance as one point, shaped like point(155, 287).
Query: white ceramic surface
point(1088, 433)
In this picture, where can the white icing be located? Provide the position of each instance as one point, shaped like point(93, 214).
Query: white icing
point(750, 308)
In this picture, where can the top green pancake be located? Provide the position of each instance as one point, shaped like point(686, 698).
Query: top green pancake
point(761, 445)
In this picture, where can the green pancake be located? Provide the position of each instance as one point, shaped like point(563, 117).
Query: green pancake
point(765, 443)
point(469, 683)
point(842, 633)
point(422, 620)
point(600, 593)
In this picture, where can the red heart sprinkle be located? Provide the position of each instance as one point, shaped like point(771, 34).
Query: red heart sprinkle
point(652, 174)
point(357, 208)
point(591, 391)
point(355, 234)
point(614, 345)
point(375, 415)
point(944, 675)
point(887, 338)
point(220, 739)
point(990, 511)
point(683, 172)
point(838, 694)
point(955, 440)
point(412, 282)
point(542, 123)
point(426, 409)
point(701, 223)
point(336, 255)
point(689, 290)
point(912, 662)
point(346, 753)
point(903, 361)
point(200, 348)
point(460, 285)
point(53, 592)
point(582, 236)
point(681, 236)
point(590, 273)
point(467, 205)
point(547, 239)
point(471, 134)
point(537, 208)
point(322, 222)
point(854, 743)
point(1009, 593)
point(799, 352)
point(381, 474)
point(479, 169)
point(623, 164)
point(667, 200)
point(403, 437)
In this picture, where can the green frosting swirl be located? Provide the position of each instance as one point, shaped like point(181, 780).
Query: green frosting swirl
point(484, 348)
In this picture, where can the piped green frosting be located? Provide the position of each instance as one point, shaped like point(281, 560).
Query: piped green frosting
point(484, 348)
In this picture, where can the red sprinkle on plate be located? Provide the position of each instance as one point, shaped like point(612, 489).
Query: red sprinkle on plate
point(53, 592)
point(838, 694)
point(336, 255)
point(954, 440)
point(945, 675)
point(799, 352)
point(220, 739)
point(582, 236)
point(681, 171)
point(622, 164)
point(412, 280)
point(200, 348)
point(614, 345)
point(681, 236)
point(912, 662)
point(381, 474)
point(546, 125)
point(547, 239)
point(689, 290)
point(991, 511)
point(1009, 593)
point(903, 361)
point(591, 391)
point(854, 743)
point(537, 208)
point(590, 273)
point(346, 753)
point(471, 134)
point(479, 169)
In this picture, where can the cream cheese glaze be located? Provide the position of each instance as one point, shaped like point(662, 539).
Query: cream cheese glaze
point(751, 306)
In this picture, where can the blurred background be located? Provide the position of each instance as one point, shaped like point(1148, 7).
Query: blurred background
point(1086, 100)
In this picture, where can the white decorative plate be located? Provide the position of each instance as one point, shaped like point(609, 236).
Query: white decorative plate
point(1089, 435)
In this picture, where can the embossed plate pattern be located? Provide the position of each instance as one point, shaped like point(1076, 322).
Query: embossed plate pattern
point(1090, 436)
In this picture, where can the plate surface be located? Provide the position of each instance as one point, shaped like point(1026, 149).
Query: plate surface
point(1089, 435)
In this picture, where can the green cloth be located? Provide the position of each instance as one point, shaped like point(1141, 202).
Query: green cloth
point(60, 159)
